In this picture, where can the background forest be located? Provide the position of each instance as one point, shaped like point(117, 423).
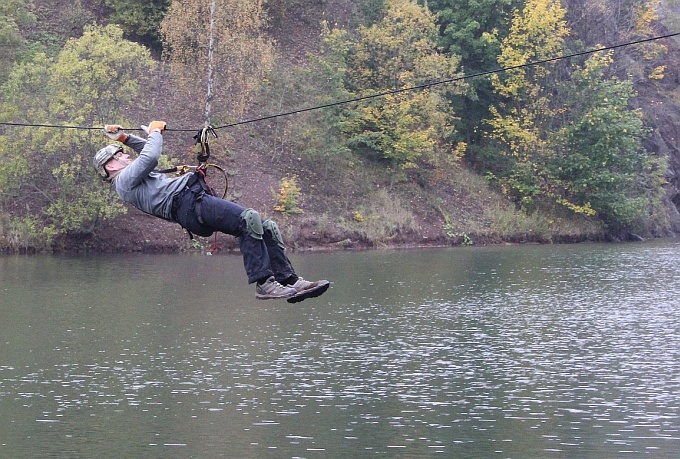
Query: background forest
point(583, 148)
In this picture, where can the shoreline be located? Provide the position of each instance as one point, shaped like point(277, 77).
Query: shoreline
point(341, 246)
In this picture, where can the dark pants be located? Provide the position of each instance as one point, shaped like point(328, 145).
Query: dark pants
point(203, 214)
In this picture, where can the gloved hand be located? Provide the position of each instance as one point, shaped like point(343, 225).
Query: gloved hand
point(155, 126)
point(115, 132)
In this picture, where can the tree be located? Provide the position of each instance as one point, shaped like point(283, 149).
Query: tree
point(601, 166)
point(464, 28)
point(140, 20)
point(402, 129)
point(14, 15)
point(521, 123)
point(320, 133)
point(46, 174)
point(218, 52)
point(575, 143)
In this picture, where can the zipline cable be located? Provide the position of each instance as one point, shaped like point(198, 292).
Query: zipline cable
point(451, 80)
point(380, 94)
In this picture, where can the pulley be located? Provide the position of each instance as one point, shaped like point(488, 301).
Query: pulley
point(202, 146)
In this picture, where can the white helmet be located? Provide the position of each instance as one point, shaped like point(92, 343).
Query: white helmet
point(103, 156)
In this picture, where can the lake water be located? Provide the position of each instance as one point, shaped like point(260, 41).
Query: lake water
point(511, 352)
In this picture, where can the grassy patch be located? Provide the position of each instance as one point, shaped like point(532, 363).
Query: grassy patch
point(382, 220)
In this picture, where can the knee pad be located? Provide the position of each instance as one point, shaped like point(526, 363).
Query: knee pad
point(253, 222)
point(274, 231)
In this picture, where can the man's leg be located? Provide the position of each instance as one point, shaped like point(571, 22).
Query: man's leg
point(261, 246)
point(228, 217)
point(246, 224)
point(281, 265)
point(283, 269)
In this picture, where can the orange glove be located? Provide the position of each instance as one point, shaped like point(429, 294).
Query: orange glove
point(155, 126)
point(114, 132)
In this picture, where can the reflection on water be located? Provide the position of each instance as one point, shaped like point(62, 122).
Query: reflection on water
point(536, 351)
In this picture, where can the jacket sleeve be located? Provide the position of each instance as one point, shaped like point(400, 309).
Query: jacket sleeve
point(147, 160)
point(136, 143)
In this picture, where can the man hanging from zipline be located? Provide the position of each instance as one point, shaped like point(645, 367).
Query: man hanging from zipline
point(187, 200)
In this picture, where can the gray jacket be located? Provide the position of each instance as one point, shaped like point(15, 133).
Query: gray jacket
point(149, 191)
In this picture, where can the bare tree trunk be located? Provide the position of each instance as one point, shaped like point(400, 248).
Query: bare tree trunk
point(211, 77)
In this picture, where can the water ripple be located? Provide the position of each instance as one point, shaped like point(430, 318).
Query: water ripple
point(540, 356)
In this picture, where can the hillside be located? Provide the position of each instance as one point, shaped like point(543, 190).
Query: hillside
point(356, 207)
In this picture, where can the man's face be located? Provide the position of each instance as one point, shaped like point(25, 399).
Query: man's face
point(119, 162)
point(123, 157)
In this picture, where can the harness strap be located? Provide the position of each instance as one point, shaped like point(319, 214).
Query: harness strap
point(198, 177)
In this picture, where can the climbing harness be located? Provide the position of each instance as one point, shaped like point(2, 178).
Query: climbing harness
point(200, 172)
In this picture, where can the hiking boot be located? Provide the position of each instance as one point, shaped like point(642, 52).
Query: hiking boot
point(271, 289)
point(306, 289)
point(302, 285)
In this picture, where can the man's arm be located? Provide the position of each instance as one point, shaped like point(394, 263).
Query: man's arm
point(134, 142)
point(146, 162)
point(115, 132)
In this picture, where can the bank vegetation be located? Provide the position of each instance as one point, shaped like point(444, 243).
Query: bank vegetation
point(564, 151)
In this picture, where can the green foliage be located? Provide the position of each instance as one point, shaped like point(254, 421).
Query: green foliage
point(14, 15)
point(31, 77)
point(96, 77)
point(600, 162)
point(140, 20)
point(26, 233)
point(10, 43)
point(46, 175)
point(576, 144)
point(314, 136)
point(370, 11)
point(288, 197)
point(521, 124)
point(402, 129)
point(18, 11)
point(472, 30)
point(325, 138)
point(463, 25)
point(450, 230)
point(80, 204)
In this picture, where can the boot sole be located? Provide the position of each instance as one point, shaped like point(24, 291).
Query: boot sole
point(311, 293)
point(271, 297)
